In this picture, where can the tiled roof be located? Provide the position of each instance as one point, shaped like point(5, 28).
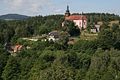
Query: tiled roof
point(76, 17)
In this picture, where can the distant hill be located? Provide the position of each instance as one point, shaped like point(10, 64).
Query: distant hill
point(13, 17)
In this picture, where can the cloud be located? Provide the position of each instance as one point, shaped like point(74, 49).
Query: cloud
point(35, 7)
point(14, 4)
point(32, 6)
point(58, 10)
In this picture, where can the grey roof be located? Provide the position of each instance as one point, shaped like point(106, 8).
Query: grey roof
point(56, 34)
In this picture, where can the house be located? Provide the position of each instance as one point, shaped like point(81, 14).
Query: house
point(95, 29)
point(13, 48)
point(97, 26)
point(54, 36)
point(79, 20)
point(17, 48)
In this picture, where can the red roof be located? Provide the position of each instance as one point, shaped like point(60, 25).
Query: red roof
point(17, 48)
point(76, 17)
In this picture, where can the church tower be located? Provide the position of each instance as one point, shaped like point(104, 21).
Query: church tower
point(67, 13)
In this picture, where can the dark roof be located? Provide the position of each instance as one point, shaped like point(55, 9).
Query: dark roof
point(56, 34)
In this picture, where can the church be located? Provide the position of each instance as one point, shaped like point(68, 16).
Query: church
point(79, 20)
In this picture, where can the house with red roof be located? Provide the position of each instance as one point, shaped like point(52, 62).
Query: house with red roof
point(79, 20)
point(13, 48)
point(17, 48)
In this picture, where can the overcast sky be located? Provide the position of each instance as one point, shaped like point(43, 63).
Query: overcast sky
point(47, 7)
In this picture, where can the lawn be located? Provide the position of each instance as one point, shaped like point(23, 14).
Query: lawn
point(88, 36)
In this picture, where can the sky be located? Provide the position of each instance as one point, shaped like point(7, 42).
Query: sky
point(50, 7)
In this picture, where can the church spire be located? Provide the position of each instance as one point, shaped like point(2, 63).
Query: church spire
point(67, 9)
point(67, 12)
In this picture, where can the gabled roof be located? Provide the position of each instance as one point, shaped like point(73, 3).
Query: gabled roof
point(56, 34)
point(76, 17)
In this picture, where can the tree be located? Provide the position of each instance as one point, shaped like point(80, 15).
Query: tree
point(12, 70)
point(3, 60)
point(44, 29)
point(71, 28)
point(105, 39)
point(57, 72)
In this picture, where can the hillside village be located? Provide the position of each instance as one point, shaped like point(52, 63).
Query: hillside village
point(79, 21)
point(68, 46)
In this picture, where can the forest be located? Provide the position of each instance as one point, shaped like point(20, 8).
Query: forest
point(97, 59)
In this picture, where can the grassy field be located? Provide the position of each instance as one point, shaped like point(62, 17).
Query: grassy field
point(88, 36)
point(83, 36)
point(110, 23)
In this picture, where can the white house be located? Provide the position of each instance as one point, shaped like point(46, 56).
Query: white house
point(54, 36)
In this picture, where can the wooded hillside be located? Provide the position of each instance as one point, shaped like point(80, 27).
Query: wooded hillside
point(96, 59)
